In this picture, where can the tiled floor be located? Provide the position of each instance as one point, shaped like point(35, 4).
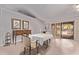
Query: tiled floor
point(12, 49)
point(63, 47)
point(57, 47)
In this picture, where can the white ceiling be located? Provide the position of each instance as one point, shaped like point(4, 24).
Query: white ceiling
point(44, 11)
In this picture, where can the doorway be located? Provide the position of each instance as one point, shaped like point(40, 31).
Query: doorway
point(64, 30)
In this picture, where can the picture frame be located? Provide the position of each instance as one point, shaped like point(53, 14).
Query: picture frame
point(25, 25)
point(16, 23)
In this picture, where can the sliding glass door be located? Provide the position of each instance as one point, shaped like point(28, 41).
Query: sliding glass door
point(53, 26)
point(63, 30)
point(68, 30)
point(56, 30)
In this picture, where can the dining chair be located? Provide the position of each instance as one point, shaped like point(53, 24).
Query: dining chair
point(30, 46)
point(34, 46)
point(27, 44)
point(46, 43)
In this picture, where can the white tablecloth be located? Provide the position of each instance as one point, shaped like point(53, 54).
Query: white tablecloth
point(41, 37)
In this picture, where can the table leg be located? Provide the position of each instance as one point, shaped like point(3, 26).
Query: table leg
point(37, 47)
point(29, 50)
point(15, 40)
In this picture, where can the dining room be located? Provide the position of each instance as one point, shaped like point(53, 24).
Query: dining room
point(29, 29)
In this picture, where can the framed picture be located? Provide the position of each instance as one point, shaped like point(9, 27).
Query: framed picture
point(16, 23)
point(25, 25)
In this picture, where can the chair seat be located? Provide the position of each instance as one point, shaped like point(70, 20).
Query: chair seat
point(33, 44)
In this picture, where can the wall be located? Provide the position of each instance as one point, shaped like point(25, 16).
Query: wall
point(76, 30)
point(5, 23)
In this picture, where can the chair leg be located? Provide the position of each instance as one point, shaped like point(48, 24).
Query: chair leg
point(29, 50)
point(37, 47)
point(24, 50)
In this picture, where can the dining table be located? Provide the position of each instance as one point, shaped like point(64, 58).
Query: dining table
point(41, 37)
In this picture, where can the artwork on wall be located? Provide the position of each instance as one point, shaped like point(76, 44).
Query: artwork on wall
point(25, 25)
point(16, 23)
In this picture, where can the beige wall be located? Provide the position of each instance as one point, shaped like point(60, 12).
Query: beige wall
point(76, 30)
